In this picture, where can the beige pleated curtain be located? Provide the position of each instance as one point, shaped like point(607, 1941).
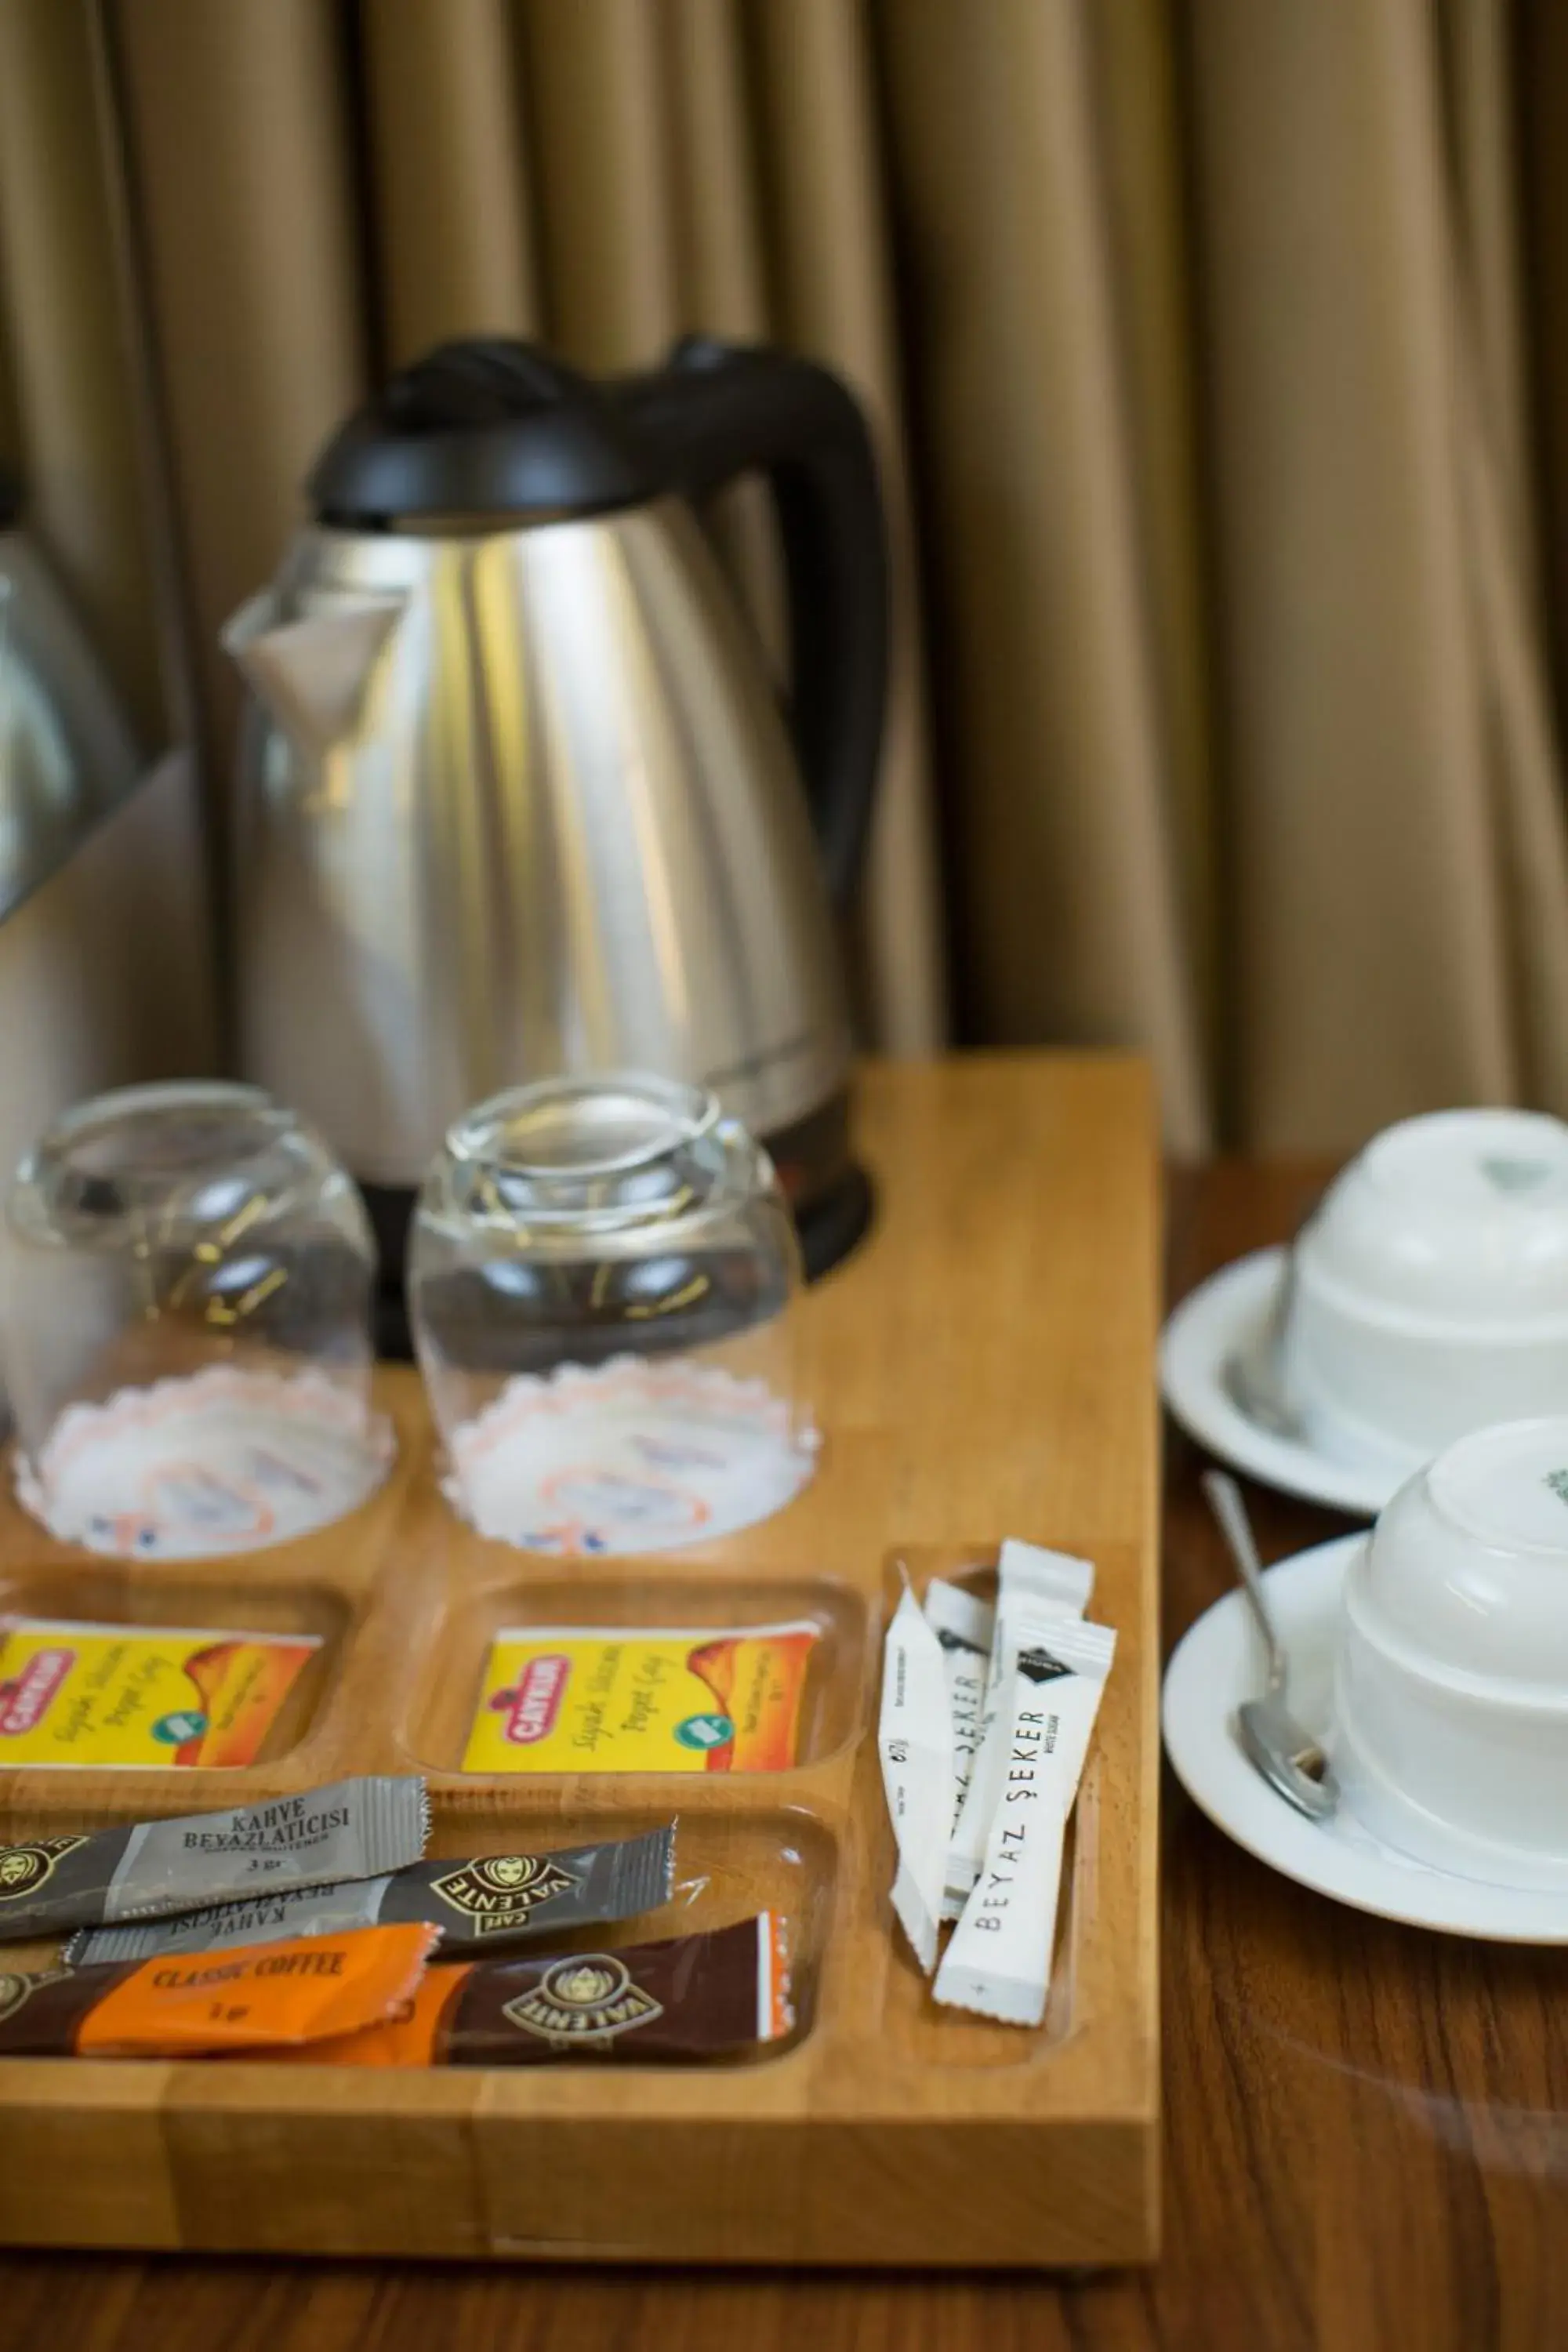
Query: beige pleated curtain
point(1217, 359)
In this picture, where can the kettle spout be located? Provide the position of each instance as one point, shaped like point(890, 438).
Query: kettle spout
point(313, 675)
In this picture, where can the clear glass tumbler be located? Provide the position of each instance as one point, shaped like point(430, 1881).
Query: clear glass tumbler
point(603, 1278)
point(188, 1275)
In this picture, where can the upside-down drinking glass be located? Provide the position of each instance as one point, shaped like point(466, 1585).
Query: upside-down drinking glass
point(603, 1279)
point(187, 1294)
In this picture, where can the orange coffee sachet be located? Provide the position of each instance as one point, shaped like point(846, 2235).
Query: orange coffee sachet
point(194, 2004)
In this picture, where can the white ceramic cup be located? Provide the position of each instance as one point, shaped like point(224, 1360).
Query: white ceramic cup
point(1428, 1293)
point(1451, 1674)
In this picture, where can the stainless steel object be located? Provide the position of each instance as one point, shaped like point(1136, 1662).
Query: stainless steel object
point(68, 758)
point(1276, 1745)
point(1255, 1376)
point(518, 797)
point(104, 949)
point(1251, 1382)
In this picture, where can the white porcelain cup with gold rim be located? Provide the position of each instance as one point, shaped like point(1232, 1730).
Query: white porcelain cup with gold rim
point(1428, 1294)
point(1451, 1670)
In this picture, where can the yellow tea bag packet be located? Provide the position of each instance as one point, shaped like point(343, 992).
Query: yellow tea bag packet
point(601, 1698)
point(149, 1695)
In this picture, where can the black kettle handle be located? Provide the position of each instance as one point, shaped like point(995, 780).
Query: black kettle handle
point(716, 411)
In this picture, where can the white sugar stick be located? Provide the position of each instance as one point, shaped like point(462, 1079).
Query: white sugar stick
point(1040, 1584)
point(966, 1626)
point(914, 1736)
point(998, 1960)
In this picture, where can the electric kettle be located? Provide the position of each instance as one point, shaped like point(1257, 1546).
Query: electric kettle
point(518, 797)
point(68, 758)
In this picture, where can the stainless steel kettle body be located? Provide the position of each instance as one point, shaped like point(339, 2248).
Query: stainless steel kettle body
point(524, 805)
point(67, 757)
point(517, 796)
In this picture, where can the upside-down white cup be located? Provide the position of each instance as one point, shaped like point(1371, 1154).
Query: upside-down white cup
point(1451, 1674)
point(1427, 1296)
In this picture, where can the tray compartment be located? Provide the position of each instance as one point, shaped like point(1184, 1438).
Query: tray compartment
point(913, 2021)
point(726, 1866)
point(833, 1709)
point(919, 2029)
point(111, 1592)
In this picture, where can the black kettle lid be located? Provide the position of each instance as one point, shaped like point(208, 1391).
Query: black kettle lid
point(483, 426)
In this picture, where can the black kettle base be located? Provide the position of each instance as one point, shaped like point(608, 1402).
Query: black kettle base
point(837, 1224)
point(829, 1228)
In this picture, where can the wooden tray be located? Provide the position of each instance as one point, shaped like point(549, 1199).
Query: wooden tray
point(984, 1366)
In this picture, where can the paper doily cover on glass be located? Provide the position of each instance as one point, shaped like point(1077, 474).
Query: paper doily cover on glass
point(632, 1455)
point(223, 1460)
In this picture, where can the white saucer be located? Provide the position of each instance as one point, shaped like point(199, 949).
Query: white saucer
point(1220, 1320)
point(1217, 1663)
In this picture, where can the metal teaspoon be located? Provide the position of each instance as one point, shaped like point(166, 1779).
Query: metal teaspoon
point(1274, 1742)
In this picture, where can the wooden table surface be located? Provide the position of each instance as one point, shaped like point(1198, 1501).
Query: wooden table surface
point(1367, 2127)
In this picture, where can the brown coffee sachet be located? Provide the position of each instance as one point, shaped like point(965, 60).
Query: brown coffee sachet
point(269, 1996)
point(487, 1902)
point(705, 1995)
